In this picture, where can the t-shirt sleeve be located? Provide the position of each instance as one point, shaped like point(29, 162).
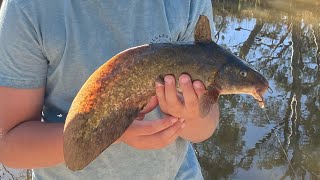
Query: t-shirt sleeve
point(22, 63)
point(197, 8)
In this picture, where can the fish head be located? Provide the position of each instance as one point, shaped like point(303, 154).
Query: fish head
point(235, 76)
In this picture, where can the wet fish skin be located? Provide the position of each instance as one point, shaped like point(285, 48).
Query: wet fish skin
point(114, 94)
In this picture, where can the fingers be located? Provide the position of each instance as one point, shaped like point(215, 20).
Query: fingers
point(167, 97)
point(161, 96)
point(154, 134)
point(165, 137)
point(152, 127)
point(170, 102)
point(199, 88)
point(187, 89)
point(191, 92)
point(170, 91)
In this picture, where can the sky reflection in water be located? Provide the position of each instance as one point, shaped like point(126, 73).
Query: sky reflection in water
point(281, 40)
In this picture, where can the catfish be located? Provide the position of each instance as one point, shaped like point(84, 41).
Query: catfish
point(116, 92)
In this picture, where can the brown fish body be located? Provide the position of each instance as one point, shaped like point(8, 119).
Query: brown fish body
point(114, 94)
point(112, 97)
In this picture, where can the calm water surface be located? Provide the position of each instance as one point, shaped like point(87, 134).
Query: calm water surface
point(281, 39)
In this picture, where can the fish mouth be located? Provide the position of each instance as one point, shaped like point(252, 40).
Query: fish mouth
point(258, 96)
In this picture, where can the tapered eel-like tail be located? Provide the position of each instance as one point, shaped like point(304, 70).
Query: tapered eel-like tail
point(103, 109)
point(85, 144)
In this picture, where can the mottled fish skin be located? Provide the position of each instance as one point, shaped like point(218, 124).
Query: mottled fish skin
point(114, 94)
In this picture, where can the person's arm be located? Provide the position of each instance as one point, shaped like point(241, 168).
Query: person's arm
point(26, 142)
point(197, 128)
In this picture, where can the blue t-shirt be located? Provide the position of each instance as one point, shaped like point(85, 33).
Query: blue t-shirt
point(58, 44)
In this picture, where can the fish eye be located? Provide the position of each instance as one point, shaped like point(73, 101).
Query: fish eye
point(243, 73)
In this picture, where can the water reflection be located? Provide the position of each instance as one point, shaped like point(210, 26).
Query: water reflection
point(13, 174)
point(281, 39)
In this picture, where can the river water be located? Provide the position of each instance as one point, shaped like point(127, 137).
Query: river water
point(281, 39)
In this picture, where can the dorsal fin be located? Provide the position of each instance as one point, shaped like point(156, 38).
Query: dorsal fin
point(202, 31)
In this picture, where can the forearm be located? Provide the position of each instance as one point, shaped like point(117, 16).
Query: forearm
point(32, 144)
point(198, 130)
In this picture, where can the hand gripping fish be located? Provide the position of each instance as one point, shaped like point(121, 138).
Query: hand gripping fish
point(114, 94)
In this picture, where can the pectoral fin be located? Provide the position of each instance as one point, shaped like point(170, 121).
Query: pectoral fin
point(207, 100)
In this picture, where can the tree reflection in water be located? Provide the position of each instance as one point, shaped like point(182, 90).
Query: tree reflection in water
point(281, 39)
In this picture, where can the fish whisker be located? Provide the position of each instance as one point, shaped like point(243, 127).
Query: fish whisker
point(270, 90)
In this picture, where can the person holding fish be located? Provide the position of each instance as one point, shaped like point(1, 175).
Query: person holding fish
point(49, 49)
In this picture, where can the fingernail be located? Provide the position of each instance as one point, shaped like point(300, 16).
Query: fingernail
point(174, 120)
point(168, 79)
point(185, 79)
point(197, 85)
